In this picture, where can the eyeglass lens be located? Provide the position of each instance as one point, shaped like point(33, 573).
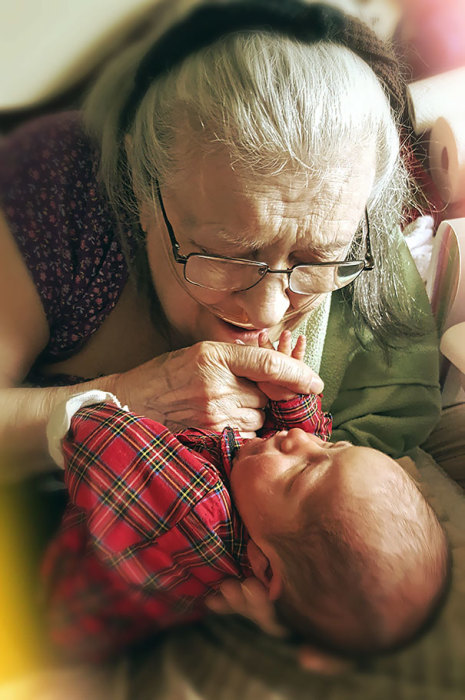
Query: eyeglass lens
point(236, 275)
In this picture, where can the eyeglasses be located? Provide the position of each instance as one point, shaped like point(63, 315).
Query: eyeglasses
point(237, 275)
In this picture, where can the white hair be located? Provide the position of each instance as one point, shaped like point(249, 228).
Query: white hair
point(276, 105)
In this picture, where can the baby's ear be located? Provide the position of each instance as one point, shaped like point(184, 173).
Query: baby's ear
point(266, 569)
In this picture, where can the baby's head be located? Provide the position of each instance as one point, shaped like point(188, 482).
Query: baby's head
point(353, 555)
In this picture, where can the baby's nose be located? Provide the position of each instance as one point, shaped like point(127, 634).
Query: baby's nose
point(299, 439)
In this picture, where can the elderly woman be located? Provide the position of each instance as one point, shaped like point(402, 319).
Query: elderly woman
point(240, 173)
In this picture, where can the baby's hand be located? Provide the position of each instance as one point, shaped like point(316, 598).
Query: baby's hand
point(250, 598)
point(273, 391)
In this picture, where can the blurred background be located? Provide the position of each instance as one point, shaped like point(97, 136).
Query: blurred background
point(50, 48)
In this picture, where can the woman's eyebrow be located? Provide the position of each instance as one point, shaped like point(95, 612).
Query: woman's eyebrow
point(321, 247)
point(222, 235)
point(304, 249)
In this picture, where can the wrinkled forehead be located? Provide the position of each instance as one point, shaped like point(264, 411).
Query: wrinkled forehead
point(203, 156)
point(327, 206)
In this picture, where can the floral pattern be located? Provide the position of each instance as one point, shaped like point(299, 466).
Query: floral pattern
point(63, 226)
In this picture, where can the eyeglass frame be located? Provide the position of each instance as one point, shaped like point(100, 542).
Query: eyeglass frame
point(368, 261)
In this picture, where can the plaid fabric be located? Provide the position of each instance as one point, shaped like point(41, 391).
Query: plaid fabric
point(302, 412)
point(150, 529)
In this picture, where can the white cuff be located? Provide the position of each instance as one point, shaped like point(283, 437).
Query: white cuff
point(60, 418)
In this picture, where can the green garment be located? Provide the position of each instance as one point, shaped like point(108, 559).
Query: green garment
point(390, 406)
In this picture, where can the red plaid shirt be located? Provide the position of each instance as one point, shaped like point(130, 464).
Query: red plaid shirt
point(150, 529)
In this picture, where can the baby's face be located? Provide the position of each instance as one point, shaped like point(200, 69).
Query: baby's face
point(272, 479)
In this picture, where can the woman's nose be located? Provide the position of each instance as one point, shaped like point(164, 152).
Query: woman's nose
point(267, 302)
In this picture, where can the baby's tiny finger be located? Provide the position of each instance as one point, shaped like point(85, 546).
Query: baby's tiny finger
point(233, 595)
point(285, 343)
point(298, 352)
point(263, 610)
point(217, 604)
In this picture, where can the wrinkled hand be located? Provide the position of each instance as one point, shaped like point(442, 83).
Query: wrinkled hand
point(211, 385)
point(250, 599)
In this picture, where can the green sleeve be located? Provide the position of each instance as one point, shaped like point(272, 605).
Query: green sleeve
point(393, 405)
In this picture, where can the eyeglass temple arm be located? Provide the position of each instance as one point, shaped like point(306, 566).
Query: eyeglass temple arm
point(169, 228)
point(369, 262)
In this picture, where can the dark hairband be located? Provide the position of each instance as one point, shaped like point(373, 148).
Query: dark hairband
point(299, 20)
point(204, 25)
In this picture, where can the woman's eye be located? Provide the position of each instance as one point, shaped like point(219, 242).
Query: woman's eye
point(229, 253)
point(201, 249)
point(313, 258)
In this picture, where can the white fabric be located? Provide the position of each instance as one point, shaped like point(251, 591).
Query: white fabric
point(419, 238)
point(314, 329)
point(60, 418)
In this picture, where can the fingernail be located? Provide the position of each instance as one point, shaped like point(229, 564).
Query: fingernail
point(316, 386)
point(239, 342)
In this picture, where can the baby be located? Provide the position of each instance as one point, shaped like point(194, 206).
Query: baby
point(349, 550)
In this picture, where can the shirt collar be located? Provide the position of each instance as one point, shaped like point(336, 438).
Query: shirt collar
point(230, 442)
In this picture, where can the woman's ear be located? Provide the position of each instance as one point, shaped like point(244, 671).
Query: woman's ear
point(266, 569)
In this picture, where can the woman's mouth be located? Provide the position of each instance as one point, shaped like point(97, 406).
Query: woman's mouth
point(246, 333)
point(237, 324)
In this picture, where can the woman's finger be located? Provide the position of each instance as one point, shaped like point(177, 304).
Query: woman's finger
point(245, 420)
point(247, 395)
point(261, 364)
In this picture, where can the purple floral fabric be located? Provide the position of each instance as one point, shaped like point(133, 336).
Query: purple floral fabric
point(63, 226)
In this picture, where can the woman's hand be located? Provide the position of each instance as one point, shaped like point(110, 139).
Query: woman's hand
point(211, 385)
